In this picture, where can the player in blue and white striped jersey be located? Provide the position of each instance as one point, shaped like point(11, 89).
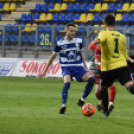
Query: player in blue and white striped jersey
point(72, 64)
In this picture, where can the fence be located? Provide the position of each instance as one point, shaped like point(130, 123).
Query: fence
point(37, 39)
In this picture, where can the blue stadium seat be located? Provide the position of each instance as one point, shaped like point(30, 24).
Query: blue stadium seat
point(47, 28)
point(62, 17)
point(1, 5)
point(97, 18)
point(41, 28)
point(77, 7)
point(84, 7)
point(81, 29)
point(25, 39)
point(111, 7)
point(7, 38)
point(9, 27)
point(118, 6)
point(61, 27)
point(29, 18)
point(118, 25)
point(13, 39)
point(37, 8)
point(98, 0)
point(102, 17)
point(59, 0)
point(125, 18)
point(36, 16)
point(44, 8)
point(15, 28)
point(59, 37)
point(50, 6)
point(91, 0)
point(70, 7)
point(17, 39)
point(69, 17)
point(56, 17)
point(0, 38)
point(22, 18)
point(32, 39)
point(55, 26)
point(90, 6)
point(131, 20)
point(125, 26)
point(81, 37)
point(76, 17)
point(119, 30)
point(22, 26)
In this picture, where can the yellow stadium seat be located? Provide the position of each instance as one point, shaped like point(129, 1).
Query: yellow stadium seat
point(66, 0)
point(2, 0)
point(114, 0)
point(27, 28)
point(132, 7)
point(8, 0)
point(57, 7)
point(104, 6)
point(97, 7)
point(72, 0)
point(49, 17)
point(42, 18)
point(126, 7)
point(14, 0)
point(6, 7)
point(90, 17)
point(12, 7)
point(33, 27)
point(83, 18)
point(102, 29)
point(118, 17)
point(64, 6)
point(106, 0)
point(96, 30)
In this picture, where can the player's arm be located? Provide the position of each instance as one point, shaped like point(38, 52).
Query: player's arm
point(52, 57)
point(92, 45)
point(97, 62)
point(85, 65)
point(130, 59)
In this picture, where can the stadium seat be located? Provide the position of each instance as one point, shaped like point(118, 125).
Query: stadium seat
point(118, 18)
point(36, 16)
point(97, 7)
point(125, 26)
point(49, 17)
point(83, 18)
point(27, 28)
point(81, 28)
point(7, 38)
point(32, 39)
point(62, 17)
point(9, 28)
point(41, 28)
point(33, 29)
point(132, 7)
point(6, 7)
point(125, 18)
point(51, 7)
point(77, 7)
point(29, 18)
point(64, 7)
point(131, 20)
point(22, 18)
point(13, 39)
point(47, 28)
point(15, 28)
point(56, 17)
point(70, 7)
point(12, 7)
point(104, 7)
point(44, 8)
point(76, 17)
point(55, 26)
point(90, 17)
point(102, 17)
point(42, 18)
point(125, 8)
point(61, 28)
point(84, 7)
point(22, 26)
point(25, 39)
point(57, 8)
point(37, 8)
point(118, 7)
point(0, 38)
point(69, 17)
point(97, 18)
point(111, 7)
point(81, 37)
point(90, 7)
point(59, 37)
point(1, 6)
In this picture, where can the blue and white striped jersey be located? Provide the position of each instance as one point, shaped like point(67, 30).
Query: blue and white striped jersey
point(69, 52)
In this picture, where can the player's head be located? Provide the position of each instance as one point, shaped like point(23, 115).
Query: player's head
point(70, 30)
point(109, 20)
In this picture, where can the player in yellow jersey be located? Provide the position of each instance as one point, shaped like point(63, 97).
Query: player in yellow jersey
point(113, 60)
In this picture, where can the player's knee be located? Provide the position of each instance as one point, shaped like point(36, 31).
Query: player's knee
point(131, 89)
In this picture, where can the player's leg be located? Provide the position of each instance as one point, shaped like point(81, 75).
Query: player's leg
point(67, 81)
point(85, 77)
point(112, 93)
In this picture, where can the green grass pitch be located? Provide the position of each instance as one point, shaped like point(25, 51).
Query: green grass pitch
point(31, 106)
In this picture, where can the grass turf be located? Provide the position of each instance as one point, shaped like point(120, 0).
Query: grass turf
point(31, 106)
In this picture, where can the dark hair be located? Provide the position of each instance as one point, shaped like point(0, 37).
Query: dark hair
point(109, 20)
point(70, 24)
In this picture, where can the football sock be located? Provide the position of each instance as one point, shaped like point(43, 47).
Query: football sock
point(112, 94)
point(104, 98)
point(98, 96)
point(88, 87)
point(65, 92)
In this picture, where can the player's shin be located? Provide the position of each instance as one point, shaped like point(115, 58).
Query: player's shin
point(65, 93)
point(88, 88)
point(104, 98)
point(112, 94)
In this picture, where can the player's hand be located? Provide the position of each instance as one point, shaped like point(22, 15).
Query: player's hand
point(91, 72)
point(92, 46)
point(40, 75)
point(132, 61)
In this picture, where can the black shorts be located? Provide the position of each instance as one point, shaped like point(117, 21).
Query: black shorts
point(122, 74)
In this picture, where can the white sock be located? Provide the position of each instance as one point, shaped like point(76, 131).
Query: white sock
point(111, 103)
point(63, 105)
point(82, 99)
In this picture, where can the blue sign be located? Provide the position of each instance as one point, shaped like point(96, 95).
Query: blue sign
point(45, 39)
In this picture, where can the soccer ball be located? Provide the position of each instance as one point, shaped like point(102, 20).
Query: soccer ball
point(88, 109)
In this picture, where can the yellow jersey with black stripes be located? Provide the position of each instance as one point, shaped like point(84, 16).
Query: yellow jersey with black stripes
point(113, 50)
